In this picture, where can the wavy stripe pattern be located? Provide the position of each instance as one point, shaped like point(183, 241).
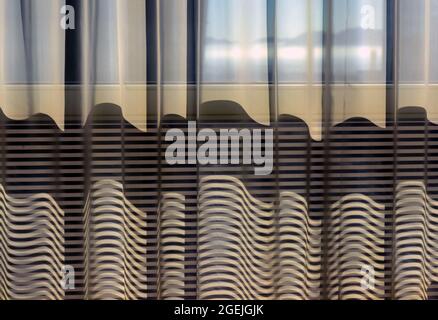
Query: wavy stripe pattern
point(115, 244)
point(172, 239)
point(356, 245)
point(300, 249)
point(247, 248)
point(416, 241)
point(31, 247)
point(236, 242)
point(247, 251)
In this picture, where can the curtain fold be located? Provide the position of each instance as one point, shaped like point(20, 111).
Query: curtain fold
point(418, 46)
point(32, 59)
point(359, 61)
point(234, 60)
point(234, 56)
point(345, 89)
point(299, 54)
point(173, 50)
point(114, 57)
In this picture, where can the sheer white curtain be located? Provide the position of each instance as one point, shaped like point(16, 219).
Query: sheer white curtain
point(113, 41)
point(358, 53)
point(418, 49)
point(299, 53)
point(113, 58)
point(359, 60)
point(234, 55)
point(173, 51)
point(32, 50)
point(235, 59)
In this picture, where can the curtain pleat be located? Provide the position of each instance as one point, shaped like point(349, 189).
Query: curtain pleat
point(234, 57)
point(32, 59)
point(173, 56)
point(418, 45)
point(347, 88)
point(114, 57)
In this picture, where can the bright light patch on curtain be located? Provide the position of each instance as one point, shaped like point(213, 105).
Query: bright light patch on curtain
point(234, 55)
point(218, 149)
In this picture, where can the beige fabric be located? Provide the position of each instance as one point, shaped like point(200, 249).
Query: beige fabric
point(253, 98)
point(417, 87)
point(304, 102)
point(173, 56)
point(41, 89)
point(130, 61)
point(243, 77)
point(366, 101)
point(420, 95)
